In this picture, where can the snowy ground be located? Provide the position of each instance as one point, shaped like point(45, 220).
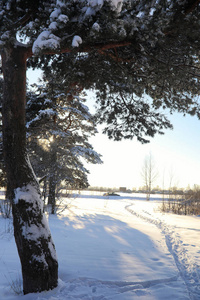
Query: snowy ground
point(119, 248)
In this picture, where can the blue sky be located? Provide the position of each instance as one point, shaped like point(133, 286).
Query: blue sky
point(176, 155)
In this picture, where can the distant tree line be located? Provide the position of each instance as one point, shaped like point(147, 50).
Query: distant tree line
point(187, 203)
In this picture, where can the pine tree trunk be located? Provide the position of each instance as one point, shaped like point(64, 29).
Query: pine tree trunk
point(32, 235)
point(52, 181)
point(44, 193)
point(52, 193)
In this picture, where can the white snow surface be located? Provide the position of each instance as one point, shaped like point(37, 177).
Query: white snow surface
point(119, 248)
point(28, 193)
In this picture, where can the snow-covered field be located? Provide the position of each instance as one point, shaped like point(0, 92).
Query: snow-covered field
point(119, 248)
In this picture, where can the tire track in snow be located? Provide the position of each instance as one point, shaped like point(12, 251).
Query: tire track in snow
point(187, 269)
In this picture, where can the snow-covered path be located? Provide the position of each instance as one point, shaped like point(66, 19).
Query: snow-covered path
point(118, 248)
point(182, 239)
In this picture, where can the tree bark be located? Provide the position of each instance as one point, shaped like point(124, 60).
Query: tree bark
point(52, 180)
point(32, 235)
point(52, 193)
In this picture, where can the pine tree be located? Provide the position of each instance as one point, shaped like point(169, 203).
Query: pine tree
point(59, 125)
point(156, 44)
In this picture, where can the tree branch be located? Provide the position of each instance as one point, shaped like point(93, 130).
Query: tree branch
point(23, 20)
point(191, 6)
point(87, 48)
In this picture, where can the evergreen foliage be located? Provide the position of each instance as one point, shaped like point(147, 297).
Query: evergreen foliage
point(58, 127)
point(129, 50)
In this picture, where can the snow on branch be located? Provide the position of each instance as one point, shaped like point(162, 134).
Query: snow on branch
point(43, 112)
point(46, 40)
point(77, 40)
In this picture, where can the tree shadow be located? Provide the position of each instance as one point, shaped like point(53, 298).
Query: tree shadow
point(102, 247)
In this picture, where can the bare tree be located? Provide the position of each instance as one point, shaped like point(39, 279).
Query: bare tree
point(149, 174)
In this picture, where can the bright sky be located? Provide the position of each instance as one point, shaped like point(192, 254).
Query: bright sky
point(176, 155)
